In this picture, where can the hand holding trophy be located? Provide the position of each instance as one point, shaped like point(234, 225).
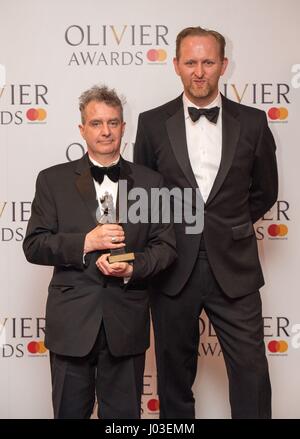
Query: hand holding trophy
point(109, 216)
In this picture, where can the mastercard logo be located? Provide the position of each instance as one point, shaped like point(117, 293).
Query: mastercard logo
point(278, 230)
point(153, 405)
point(280, 113)
point(156, 55)
point(36, 114)
point(275, 346)
point(36, 347)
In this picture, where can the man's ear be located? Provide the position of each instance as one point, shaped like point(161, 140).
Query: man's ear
point(175, 64)
point(224, 66)
point(81, 129)
point(123, 128)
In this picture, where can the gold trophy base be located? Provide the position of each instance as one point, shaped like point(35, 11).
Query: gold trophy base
point(121, 257)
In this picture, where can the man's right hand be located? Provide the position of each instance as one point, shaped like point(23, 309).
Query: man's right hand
point(106, 236)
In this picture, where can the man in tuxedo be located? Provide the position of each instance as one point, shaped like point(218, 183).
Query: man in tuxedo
point(97, 313)
point(203, 141)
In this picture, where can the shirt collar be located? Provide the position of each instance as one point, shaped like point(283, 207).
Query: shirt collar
point(102, 166)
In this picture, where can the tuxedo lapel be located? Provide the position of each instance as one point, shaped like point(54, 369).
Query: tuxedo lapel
point(230, 136)
point(124, 205)
point(126, 173)
point(86, 188)
point(177, 136)
point(125, 177)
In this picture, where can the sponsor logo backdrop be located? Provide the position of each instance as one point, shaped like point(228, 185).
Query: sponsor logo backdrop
point(50, 52)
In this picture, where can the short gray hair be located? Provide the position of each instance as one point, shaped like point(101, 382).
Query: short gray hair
point(100, 94)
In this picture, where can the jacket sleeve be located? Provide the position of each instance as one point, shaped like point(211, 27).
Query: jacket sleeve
point(160, 250)
point(43, 243)
point(264, 184)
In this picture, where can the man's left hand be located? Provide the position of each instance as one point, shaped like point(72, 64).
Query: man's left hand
point(117, 269)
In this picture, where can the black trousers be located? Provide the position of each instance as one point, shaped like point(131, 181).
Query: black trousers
point(238, 325)
point(117, 382)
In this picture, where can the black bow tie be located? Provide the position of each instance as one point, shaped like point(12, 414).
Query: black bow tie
point(210, 113)
point(113, 172)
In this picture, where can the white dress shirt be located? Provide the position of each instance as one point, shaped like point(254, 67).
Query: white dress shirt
point(204, 142)
point(107, 185)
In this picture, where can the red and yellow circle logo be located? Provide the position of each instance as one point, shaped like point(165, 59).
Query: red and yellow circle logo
point(36, 347)
point(277, 230)
point(156, 55)
point(275, 346)
point(280, 113)
point(36, 114)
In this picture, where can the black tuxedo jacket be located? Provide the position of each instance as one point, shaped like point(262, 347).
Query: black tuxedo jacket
point(63, 212)
point(245, 188)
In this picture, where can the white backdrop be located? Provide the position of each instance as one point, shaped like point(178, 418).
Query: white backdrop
point(51, 51)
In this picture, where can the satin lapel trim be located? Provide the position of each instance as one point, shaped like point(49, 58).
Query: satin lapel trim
point(125, 174)
point(177, 135)
point(86, 188)
point(230, 136)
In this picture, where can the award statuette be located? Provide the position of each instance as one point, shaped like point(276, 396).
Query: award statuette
point(108, 216)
